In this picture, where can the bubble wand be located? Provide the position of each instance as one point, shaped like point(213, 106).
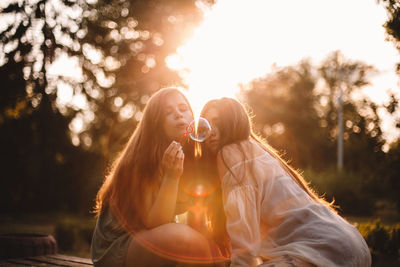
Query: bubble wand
point(189, 130)
point(201, 133)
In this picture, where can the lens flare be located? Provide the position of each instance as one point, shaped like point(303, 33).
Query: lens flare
point(157, 250)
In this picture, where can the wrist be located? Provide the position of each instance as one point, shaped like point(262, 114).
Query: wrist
point(171, 177)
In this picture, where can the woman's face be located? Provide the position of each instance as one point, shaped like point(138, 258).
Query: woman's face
point(213, 141)
point(177, 116)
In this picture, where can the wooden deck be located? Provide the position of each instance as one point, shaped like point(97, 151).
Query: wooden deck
point(48, 260)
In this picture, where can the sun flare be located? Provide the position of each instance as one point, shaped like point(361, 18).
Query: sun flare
point(223, 52)
point(240, 40)
point(237, 42)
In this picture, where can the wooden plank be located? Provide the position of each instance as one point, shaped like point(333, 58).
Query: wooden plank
point(26, 262)
point(10, 264)
point(71, 258)
point(48, 260)
point(56, 262)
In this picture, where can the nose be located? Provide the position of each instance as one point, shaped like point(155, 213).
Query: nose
point(212, 132)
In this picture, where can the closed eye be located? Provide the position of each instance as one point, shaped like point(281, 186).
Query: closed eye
point(183, 107)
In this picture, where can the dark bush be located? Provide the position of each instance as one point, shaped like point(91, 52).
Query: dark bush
point(383, 242)
point(74, 234)
point(66, 233)
point(394, 241)
point(348, 189)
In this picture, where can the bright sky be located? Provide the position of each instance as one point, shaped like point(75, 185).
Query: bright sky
point(239, 40)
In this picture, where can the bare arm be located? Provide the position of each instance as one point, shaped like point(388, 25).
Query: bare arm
point(163, 208)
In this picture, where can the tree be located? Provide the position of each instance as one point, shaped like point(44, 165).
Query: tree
point(284, 107)
point(296, 109)
point(119, 46)
point(133, 38)
point(390, 174)
point(392, 25)
point(362, 130)
point(37, 151)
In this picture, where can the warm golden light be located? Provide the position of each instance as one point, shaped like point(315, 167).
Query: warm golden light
point(240, 40)
point(237, 42)
point(223, 52)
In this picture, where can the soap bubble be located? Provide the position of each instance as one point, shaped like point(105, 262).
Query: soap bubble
point(201, 132)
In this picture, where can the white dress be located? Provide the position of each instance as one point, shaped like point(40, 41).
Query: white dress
point(269, 216)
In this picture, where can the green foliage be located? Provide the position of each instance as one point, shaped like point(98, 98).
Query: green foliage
point(295, 109)
point(38, 160)
point(29, 44)
point(390, 174)
point(284, 107)
point(132, 38)
point(383, 241)
point(392, 25)
point(348, 190)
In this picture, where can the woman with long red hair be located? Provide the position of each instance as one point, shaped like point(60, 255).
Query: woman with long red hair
point(137, 203)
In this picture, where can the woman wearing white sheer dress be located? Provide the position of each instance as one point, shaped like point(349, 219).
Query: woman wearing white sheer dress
point(273, 218)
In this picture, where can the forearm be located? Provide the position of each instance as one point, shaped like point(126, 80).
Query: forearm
point(163, 208)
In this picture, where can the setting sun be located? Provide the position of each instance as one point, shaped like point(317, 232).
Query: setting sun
point(223, 52)
point(242, 40)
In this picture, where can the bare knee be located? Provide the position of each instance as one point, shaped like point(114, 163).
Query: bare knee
point(190, 241)
point(141, 254)
point(177, 239)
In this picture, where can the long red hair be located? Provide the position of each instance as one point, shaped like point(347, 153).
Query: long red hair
point(135, 171)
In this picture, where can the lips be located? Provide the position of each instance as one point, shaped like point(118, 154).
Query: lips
point(181, 125)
